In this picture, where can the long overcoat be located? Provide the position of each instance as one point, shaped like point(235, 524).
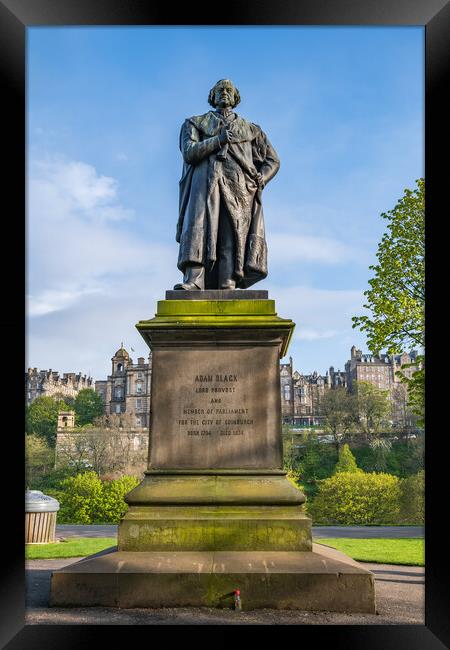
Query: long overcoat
point(209, 179)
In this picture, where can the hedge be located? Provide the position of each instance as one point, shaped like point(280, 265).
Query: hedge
point(86, 499)
point(357, 498)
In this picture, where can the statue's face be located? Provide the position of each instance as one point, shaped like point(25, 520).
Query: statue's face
point(224, 95)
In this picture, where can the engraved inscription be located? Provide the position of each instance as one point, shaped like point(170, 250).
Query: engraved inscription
point(213, 407)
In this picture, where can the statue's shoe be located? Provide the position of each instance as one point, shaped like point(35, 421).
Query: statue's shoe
point(186, 286)
point(228, 284)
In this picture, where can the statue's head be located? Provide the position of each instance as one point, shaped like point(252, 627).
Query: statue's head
point(224, 94)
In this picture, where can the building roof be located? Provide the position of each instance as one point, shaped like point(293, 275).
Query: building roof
point(121, 352)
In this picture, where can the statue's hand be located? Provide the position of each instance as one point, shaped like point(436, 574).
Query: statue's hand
point(260, 181)
point(225, 135)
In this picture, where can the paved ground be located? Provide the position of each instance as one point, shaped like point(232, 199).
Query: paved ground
point(389, 532)
point(358, 532)
point(399, 597)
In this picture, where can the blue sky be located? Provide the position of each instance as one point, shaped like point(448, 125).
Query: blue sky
point(343, 107)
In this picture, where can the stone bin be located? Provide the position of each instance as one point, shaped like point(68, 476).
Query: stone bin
point(40, 517)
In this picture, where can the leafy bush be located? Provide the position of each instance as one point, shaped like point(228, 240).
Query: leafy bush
point(346, 462)
point(294, 478)
point(113, 504)
point(412, 499)
point(81, 499)
point(85, 499)
point(350, 498)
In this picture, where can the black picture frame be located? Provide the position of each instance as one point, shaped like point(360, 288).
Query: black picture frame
point(15, 17)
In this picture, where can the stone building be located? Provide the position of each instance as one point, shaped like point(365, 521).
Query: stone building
point(400, 360)
point(369, 367)
point(48, 383)
point(378, 370)
point(337, 378)
point(127, 388)
point(300, 395)
point(287, 389)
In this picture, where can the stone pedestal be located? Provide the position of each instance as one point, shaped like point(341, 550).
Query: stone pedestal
point(215, 511)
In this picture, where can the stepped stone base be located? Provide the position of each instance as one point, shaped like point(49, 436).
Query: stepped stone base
point(217, 512)
point(230, 528)
point(318, 580)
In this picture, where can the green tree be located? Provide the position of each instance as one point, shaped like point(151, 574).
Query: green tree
point(346, 462)
point(69, 400)
point(381, 448)
point(416, 389)
point(373, 408)
point(290, 451)
point(402, 458)
point(42, 417)
point(405, 421)
point(39, 459)
point(396, 298)
point(338, 408)
point(88, 405)
point(412, 499)
point(315, 461)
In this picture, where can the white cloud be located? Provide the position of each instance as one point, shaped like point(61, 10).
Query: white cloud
point(74, 186)
point(323, 331)
point(318, 313)
point(291, 247)
point(80, 239)
point(314, 335)
point(47, 302)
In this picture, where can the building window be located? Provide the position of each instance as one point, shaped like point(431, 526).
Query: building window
point(287, 392)
point(117, 408)
point(118, 392)
point(139, 387)
point(119, 367)
point(139, 375)
point(138, 404)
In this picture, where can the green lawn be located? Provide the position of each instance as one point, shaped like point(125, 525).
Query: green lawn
point(74, 547)
point(409, 551)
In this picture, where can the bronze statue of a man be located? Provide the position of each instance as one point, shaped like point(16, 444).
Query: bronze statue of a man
point(227, 163)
